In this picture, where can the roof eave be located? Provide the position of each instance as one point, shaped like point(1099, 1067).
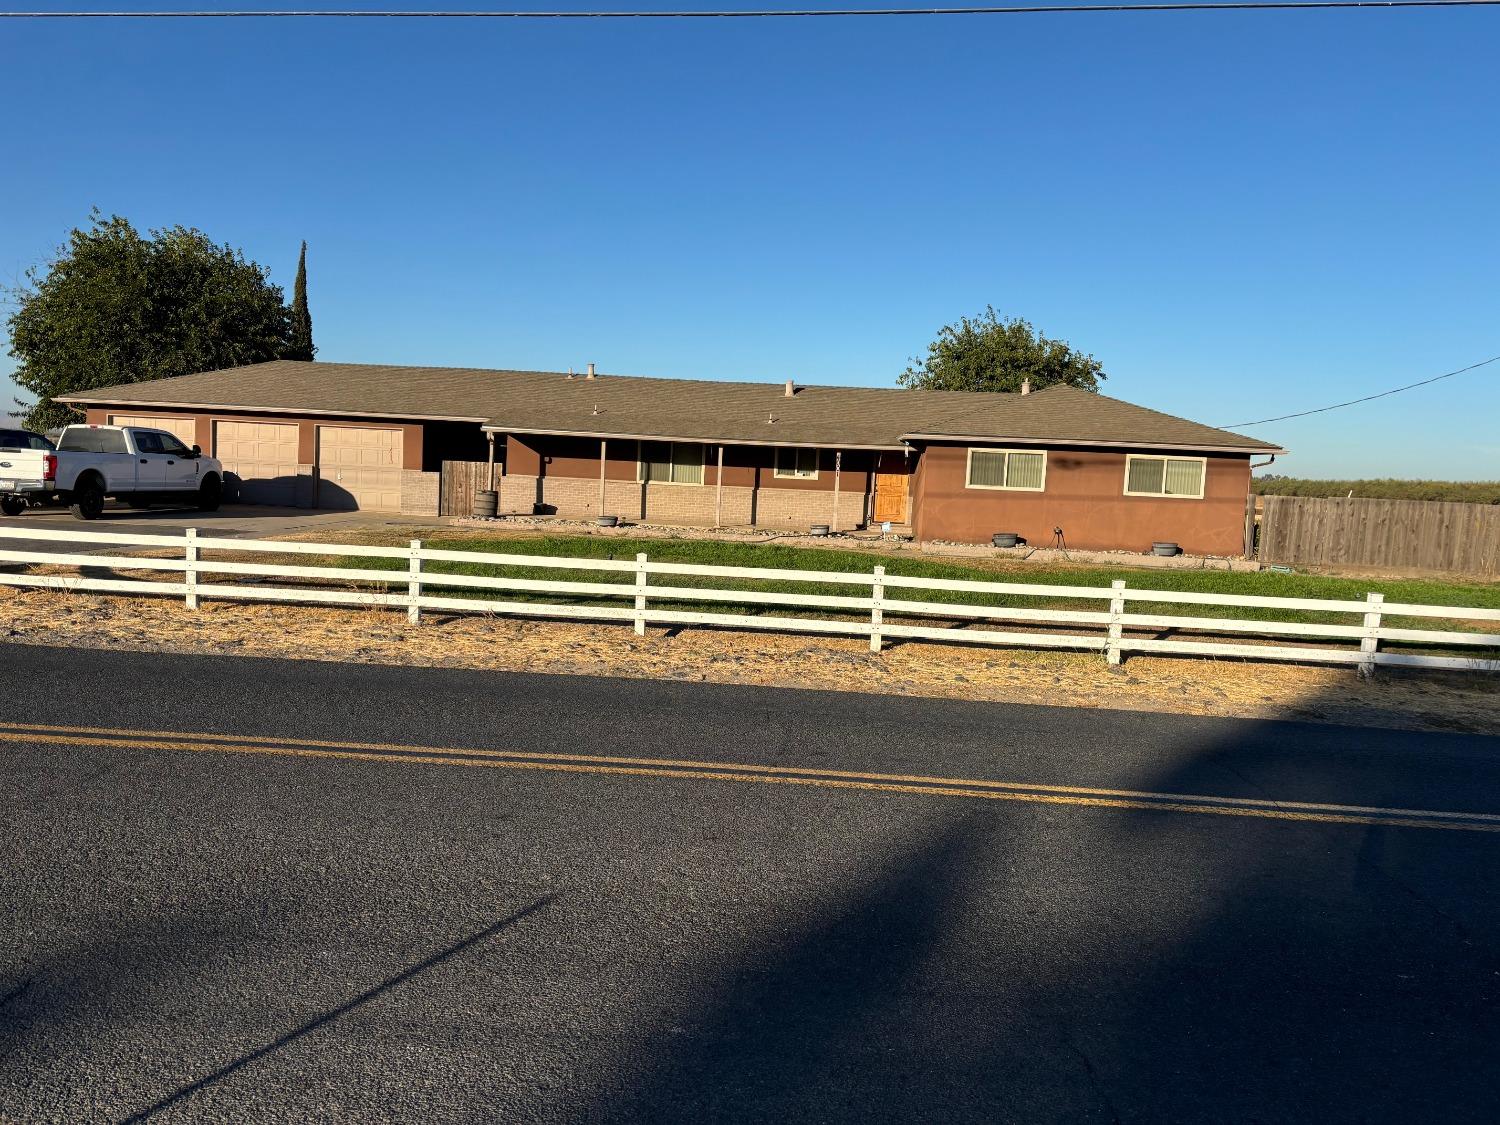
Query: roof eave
point(228, 408)
point(1199, 447)
point(604, 435)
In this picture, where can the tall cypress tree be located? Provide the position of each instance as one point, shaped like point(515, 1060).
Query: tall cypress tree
point(301, 344)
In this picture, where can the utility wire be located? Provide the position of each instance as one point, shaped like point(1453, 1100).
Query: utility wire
point(1367, 398)
point(1026, 9)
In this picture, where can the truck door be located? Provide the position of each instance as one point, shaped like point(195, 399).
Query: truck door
point(181, 472)
point(119, 468)
point(151, 461)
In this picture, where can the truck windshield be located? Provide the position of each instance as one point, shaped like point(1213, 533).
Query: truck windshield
point(87, 439)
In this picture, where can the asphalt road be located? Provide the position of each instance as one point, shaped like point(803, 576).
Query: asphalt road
point(484, 911)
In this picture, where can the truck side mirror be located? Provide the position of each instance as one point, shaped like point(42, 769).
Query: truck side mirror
point(197, 451)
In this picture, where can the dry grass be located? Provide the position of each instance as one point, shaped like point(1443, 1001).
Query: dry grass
point(1426, 701)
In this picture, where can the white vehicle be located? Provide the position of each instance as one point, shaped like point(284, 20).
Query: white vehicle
point(136, 464)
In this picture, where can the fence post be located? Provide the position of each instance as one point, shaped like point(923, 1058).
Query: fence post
point(414, 583)
point(1116, 610)
point(877, 610)
point(640, 595)
point(1370, 644)
point(190, 571)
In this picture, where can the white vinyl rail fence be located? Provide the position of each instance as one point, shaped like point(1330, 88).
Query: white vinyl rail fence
point(1111, 629)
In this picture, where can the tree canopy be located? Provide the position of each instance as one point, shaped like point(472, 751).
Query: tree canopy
point(994, 353)
point(116, 307)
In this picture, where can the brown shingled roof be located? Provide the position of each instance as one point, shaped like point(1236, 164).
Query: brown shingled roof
point(688, 409)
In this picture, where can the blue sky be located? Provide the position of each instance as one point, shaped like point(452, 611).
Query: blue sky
point(1240, 214)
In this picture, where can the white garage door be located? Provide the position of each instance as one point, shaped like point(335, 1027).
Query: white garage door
point(185, 429)
point(260, 460)
point(359, 468)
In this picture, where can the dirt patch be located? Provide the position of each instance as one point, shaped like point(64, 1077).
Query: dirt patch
point(1421, 701)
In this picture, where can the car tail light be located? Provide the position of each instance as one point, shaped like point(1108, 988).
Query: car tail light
point(49, 467)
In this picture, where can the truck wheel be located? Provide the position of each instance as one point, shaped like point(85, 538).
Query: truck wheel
point(88, 500)
point(210, 493)
point(12, 505)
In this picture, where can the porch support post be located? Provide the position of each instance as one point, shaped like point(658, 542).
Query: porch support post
point(490, 471)
point(838, 470)
point(603, 449)
point(719, 491)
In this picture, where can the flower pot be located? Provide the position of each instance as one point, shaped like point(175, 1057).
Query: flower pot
point(1166, 550)
point(486, 504)
point(818, 529)
point(1005, 539)
point(608, 521)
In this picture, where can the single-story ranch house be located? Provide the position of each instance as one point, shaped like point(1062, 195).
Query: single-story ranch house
point(951, 465)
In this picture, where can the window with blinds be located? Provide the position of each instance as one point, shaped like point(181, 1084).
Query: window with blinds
point(800, 464)
point(670, 462)
point(1164, 476)
point(1024, 469)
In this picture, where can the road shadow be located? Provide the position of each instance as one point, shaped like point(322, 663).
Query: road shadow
point(1103, 964)
point(182, 1093)
point(776, 1027)
point(89, 980)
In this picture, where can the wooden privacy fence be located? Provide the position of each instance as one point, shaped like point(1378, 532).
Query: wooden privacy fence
point(1412, 534)
point(458, 483)
point(888, 606)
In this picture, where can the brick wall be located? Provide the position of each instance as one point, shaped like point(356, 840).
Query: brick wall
point(517, 494)
point(689, 505)
point(800, 508)
point(419, 492)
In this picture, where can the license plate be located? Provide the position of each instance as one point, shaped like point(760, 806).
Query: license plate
point(4, 484)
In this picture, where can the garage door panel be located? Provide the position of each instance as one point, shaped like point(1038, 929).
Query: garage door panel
point(260, 460)
point(184, 430)
point(359, 467)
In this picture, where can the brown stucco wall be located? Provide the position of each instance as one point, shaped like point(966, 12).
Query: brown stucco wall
point(1085, 496)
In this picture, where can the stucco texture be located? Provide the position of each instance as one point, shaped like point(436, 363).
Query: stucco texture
point(1085, 496)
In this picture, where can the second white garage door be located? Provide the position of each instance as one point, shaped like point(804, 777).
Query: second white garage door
point(260, 460)
point(359, 467)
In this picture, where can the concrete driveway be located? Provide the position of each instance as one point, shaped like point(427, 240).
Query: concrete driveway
point(236, 521)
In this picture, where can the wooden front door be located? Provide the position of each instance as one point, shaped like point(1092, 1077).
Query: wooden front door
point(890, 497)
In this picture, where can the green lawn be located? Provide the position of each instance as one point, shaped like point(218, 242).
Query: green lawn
point(774, 556)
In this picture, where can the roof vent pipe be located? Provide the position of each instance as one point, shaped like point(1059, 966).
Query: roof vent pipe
point(590, 375)
point(1025, 386)
point(791, 388)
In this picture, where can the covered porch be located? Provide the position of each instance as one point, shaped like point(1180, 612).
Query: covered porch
point(691, 482)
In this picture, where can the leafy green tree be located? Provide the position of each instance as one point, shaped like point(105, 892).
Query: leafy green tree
point(994, 353)
point(116, 307)
point(301, 346)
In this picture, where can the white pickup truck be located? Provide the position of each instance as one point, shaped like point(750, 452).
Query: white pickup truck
point(136, 464)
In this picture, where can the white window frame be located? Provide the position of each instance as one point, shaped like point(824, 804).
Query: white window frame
point(792, 474)
point(1164, 494)
point(640, 464)
point(969, 470)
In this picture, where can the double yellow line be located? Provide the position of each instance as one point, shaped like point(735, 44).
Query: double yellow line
point(689, 769)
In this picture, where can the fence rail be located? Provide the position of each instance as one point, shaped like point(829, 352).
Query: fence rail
point(1112, 629)
point(1411, 534)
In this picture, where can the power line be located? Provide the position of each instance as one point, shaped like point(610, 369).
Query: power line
point(789, 13)
point(1367, 398)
